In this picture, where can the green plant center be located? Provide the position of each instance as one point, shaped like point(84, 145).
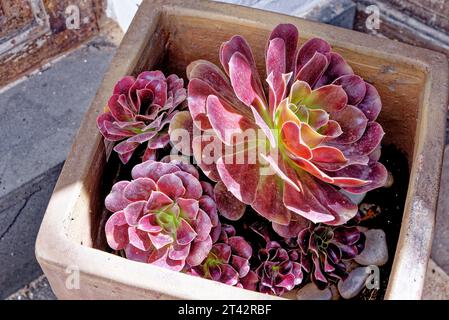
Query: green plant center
point(168, 220)
point(323, 238)
point(212, 261)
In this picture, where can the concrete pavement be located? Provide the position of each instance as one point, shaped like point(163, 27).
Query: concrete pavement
point(39, 118)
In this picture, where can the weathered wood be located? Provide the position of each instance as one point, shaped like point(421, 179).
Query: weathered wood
point(15, 15)
point(170, 34)
point(434, 13)
point(29, 37)
point(424, 24)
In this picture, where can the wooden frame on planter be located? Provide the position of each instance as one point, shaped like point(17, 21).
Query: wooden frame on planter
point(413, 85)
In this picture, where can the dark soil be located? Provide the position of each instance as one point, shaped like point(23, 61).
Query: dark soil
point(388, 216)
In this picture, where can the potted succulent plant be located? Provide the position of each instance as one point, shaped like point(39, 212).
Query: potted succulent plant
point(212, 178)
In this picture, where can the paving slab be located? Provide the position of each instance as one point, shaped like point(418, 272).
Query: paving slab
point(40, 117)
point(440, 247)
point(19, 225)
point(436, 285)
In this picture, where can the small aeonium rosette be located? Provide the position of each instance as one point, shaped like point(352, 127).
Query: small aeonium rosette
point(163, 216)
point(228, 261)
point(139, 111)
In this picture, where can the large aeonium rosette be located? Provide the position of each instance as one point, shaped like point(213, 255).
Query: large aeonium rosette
point(139, 110)
point(318, 125)
point(164, 216)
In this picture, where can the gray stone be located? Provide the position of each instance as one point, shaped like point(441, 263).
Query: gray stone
point(354, 284)
point(38, 289)
point(311, 292)
point(376, 250)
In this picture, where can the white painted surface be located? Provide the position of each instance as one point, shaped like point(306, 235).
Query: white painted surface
point(122, 11)
point(292, 7)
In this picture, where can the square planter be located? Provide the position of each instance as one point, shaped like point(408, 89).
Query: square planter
point(412, 83)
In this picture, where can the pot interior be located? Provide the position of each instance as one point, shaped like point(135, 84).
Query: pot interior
point(182, 37)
